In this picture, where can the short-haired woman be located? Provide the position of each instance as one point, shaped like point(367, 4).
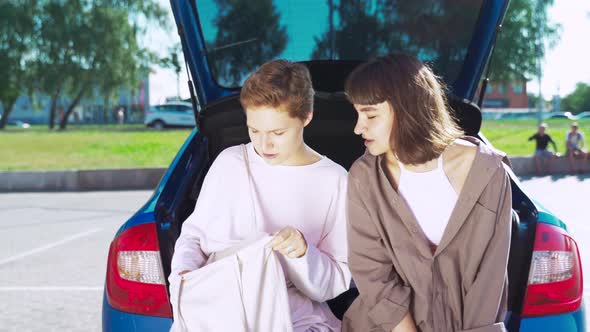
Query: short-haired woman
point(299, 195)
point(429, 209)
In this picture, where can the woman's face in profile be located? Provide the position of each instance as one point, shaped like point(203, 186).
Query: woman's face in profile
point(374, 125)
point(276, 136)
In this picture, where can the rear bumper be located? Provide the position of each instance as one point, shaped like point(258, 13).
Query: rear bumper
point(570, 322)
point(115, 320)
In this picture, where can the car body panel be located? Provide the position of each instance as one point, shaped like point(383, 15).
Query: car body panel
point(547, 217)
point(115, 320)
point(570, 322)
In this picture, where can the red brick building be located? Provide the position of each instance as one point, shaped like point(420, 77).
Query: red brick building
point(506, 95)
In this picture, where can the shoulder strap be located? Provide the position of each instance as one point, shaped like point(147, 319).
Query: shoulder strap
point(250, 183)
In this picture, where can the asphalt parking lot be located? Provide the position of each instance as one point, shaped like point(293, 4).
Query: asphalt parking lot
point(53, 257)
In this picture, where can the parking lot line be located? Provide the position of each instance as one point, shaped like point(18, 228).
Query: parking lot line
point(48, 246)
point(50, 288)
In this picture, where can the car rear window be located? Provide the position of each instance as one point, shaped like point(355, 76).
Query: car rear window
point(172, 108)
point(241, 35)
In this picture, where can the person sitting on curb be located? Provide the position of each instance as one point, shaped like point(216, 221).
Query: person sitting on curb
point(542, 154)
point(574, 145)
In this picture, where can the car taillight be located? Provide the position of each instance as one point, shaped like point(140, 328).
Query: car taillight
point(135, 281)
point(555, 278)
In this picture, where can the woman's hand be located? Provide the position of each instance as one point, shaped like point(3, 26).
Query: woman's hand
point(289, 242)
point(406, 325)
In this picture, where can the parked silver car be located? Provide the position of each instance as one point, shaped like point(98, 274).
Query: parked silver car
point(171, 114)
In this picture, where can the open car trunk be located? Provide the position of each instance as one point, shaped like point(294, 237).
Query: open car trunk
point(223, 123)
point(224, 42)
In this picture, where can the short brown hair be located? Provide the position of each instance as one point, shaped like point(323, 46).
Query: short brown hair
point(280, 84)
point(422, 125)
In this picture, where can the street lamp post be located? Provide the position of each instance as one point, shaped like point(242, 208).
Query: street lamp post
point(540, 99)
point(540, 45)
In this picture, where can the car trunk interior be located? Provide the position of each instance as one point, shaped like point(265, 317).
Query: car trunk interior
point(330, 133)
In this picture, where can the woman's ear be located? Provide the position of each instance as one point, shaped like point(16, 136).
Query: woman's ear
point(308, 119)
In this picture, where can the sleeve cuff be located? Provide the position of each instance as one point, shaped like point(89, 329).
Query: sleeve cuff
point(303, 263)
point(388, 314)
point(316, 276)
point(497, 327)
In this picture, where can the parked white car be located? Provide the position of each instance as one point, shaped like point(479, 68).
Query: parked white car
point(171, 114)
point(559, 115)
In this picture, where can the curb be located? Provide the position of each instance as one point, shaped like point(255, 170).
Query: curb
point(148, 178)
point(525, 166)
point(81, 180)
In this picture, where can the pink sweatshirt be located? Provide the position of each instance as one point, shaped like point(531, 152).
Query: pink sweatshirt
point(310, 198)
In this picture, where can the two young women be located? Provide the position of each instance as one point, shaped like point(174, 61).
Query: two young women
point(428, 210)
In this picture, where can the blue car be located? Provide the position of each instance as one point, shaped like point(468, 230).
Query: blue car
point(223, 41)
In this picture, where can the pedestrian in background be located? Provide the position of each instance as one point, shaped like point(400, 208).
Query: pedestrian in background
point(574, 145)
point(542, 155)
point(121, 116)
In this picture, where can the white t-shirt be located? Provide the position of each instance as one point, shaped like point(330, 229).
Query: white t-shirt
point(574, 140)
point(310, 198)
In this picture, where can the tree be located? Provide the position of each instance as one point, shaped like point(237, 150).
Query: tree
point(87, 44)
point(365, 29)
point(521, 43)
point(437, 33)
point(58, 26)
point(358, 27)
point(237, 51)
point(577, 101)
point(113, 57)
point(16, 31)
point(172, 61)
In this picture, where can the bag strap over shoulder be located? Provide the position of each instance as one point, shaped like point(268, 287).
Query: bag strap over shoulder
point(251, 184)
point(215, 256)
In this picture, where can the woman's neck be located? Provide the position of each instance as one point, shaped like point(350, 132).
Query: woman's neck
point(304, 155)
point(392, 161)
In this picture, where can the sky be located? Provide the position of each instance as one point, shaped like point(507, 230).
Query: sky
point(567, 63)
point(564, 65)
point(163, 82)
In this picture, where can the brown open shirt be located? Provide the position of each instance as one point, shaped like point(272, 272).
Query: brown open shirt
point(462, 286)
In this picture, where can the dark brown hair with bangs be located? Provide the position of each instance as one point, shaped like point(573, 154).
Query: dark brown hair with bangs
point(280, 84)
point(422, 125)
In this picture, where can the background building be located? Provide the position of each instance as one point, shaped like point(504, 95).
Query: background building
point(92, 109)
point(506, 95)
